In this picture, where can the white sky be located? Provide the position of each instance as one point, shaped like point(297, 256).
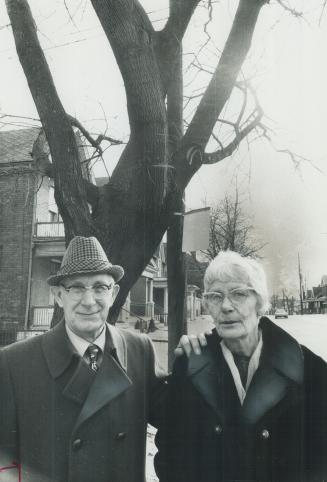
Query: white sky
point(288, 66)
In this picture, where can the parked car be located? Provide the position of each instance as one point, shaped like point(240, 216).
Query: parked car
point(281, 313)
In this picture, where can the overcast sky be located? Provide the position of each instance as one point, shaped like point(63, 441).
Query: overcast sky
point(288, 67)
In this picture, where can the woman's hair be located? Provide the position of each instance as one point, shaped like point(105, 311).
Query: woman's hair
point(231, 266)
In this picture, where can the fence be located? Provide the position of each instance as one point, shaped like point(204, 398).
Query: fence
point(42, 316)
point(50, 230)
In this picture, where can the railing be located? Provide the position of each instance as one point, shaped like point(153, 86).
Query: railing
point(50, 230)
point(162, 317)
point(42, 316)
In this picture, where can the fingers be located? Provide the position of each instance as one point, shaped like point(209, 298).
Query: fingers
point(189, 344)
point(184, 346)
point(202, 339)
point(179, 351)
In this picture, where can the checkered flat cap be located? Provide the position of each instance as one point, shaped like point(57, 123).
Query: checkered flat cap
point(83, 256)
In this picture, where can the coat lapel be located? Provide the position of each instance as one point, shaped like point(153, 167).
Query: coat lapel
point(79, 384)
point(57, 350)
point(110, 381)
point(280, 369)
point(63, 360)
point(267, 388)
point(209, 374)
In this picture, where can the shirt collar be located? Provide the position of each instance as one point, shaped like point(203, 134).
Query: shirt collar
point(80, 344)
point(252, 368)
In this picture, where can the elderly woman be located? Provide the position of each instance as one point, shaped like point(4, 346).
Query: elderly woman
point(253, 405)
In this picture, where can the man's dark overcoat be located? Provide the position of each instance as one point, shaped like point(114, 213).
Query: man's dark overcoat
point(278, 435)
point(65, 423)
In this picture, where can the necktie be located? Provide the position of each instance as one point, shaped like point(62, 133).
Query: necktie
point(92, 353)
point(242, 363)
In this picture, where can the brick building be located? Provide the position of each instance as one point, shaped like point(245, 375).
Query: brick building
point(31, 235)
point(18, 185)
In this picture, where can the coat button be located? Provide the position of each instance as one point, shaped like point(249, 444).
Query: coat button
point(120, 435)
point(218, 429)
point(77, 444)
point(265, 434)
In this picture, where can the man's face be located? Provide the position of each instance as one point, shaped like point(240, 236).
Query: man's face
point(235, 317)
point(86, 313)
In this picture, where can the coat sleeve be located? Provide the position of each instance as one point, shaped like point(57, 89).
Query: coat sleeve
point(157, 386)
point(171, 434)
point(8, 425)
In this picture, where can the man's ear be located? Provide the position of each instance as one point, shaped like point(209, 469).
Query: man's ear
point(57, 293)
point(115, 291)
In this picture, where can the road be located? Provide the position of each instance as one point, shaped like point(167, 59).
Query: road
point(309, 330)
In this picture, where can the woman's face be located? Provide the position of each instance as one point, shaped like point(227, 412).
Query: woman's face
point(233, 309)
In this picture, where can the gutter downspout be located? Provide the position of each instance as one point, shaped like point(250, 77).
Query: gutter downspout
point(30, 261)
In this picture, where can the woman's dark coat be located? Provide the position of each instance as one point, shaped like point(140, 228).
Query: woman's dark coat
point(279, 434)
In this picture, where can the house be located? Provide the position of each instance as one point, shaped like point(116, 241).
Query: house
point(315, 300)
point(31, 235)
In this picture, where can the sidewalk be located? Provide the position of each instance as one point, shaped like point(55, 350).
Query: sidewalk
point(151, 450)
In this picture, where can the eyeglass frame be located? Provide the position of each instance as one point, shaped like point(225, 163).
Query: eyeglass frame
point(86, 288)
point(227, 295)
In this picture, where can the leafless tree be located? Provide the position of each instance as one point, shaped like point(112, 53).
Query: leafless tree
point(230, 228)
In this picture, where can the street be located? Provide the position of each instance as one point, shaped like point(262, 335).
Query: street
point(309, 330)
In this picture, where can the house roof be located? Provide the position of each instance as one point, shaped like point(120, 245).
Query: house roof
point(17, 145)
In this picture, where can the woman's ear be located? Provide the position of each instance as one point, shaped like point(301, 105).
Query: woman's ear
point(57, 294)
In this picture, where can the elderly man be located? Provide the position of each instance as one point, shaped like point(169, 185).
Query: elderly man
point(252, 407)
point(75, 401)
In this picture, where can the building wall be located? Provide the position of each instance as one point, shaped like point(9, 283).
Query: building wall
point(16, 222)
point(42, 201)
point(40, 290)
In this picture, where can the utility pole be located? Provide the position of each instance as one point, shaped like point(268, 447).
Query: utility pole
point(175, 257)
point(301, 283)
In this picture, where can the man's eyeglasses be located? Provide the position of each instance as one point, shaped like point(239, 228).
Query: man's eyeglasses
point(76, 292)
point(236, 296)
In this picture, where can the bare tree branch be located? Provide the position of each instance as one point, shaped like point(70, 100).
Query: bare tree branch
point(96, 143)
point(224, 152)
point(169, 39)
point(69, 187)
point(40, 156)
point(295, 13)
point(224, 78)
